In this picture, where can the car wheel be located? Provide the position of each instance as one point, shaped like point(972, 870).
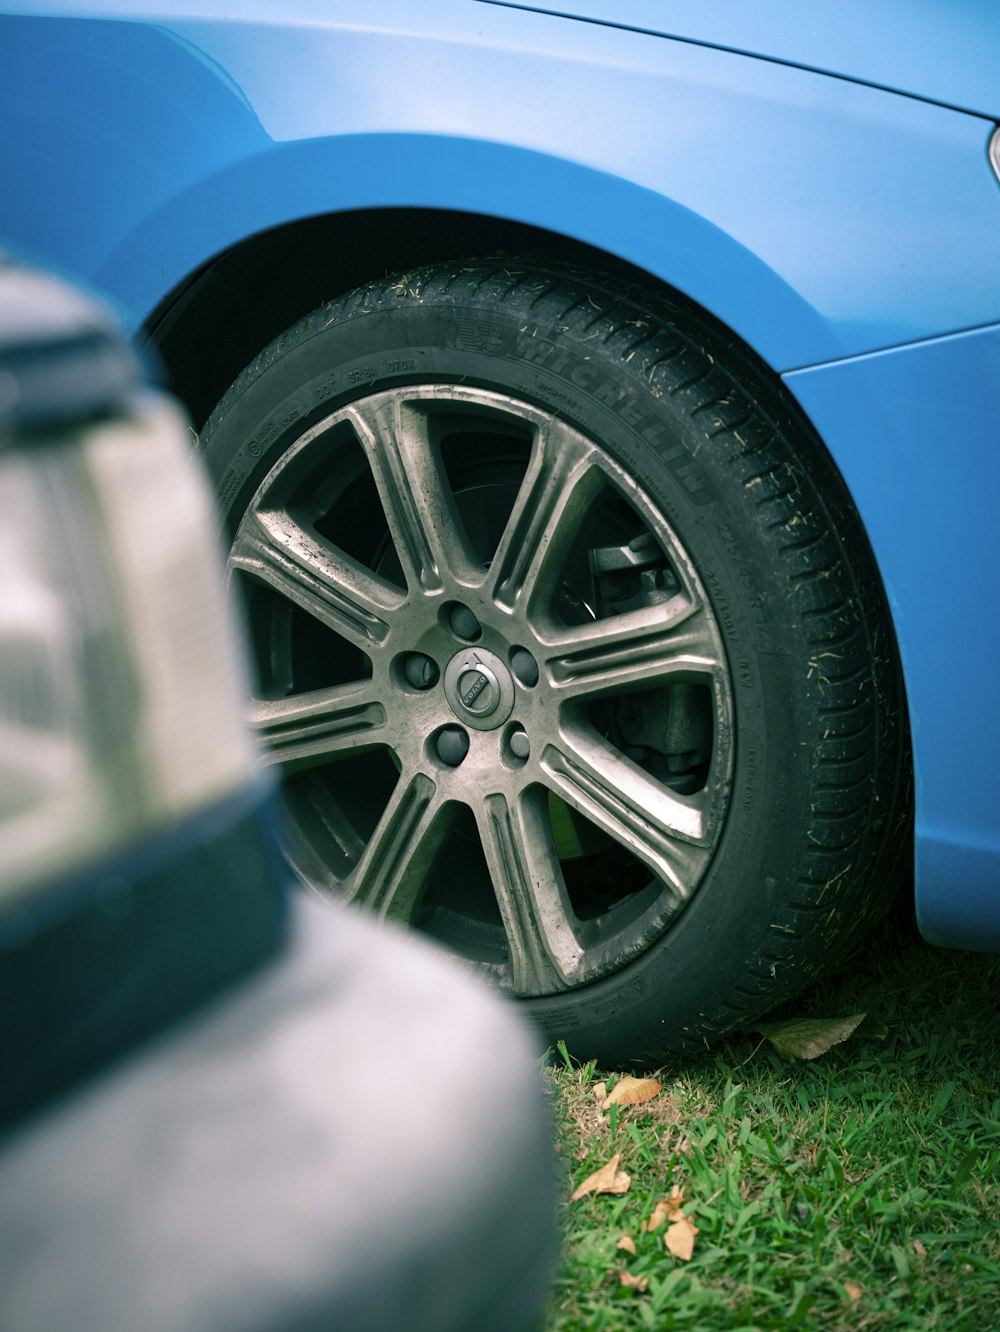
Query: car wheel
point(569, 644)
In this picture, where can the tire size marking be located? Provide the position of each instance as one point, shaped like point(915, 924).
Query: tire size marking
point(368, 374)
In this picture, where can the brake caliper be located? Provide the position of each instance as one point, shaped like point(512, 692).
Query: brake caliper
point(668, 730)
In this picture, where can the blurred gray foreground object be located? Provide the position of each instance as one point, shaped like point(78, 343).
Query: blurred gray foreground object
point(355, 1138)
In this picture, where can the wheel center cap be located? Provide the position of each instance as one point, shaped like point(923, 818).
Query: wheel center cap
point(480, 688)
point(479, 691)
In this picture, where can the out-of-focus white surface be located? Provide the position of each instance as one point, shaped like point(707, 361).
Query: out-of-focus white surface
point(121, 683)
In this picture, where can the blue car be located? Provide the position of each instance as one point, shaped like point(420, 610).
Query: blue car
point(602, 407)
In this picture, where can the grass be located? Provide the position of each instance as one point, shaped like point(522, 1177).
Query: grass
point(859, 1190)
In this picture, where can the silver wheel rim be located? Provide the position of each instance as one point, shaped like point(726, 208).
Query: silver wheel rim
point(480, 644)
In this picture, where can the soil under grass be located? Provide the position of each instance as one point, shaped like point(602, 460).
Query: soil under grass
point(858, 1190)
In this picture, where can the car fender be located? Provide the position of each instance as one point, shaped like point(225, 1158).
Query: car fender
point(794, 206)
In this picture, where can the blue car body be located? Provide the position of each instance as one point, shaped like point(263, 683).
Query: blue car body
point(817, 178)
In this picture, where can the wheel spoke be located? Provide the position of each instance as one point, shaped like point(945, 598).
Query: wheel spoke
point(579, 518)
point(669, 833)
point(389, 878)
point(323, 581)
point(639, 648)
point(305, 730)
point(417, 499)
point(545, 953)
point(556, 490)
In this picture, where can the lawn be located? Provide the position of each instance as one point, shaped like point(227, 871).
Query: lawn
point(860, 1189)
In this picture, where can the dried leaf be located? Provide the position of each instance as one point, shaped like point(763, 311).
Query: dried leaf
point(853, 1291)
point(632, 1091)
point(667, 1209)
point(638, 1283)
point(627, 1243)
point(919, 1249)
point(808, 1038)
point(609, 1179)
point(679, 1238)
point(599, 1092)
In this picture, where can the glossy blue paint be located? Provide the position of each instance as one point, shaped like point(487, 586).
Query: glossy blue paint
point(825, 220)
point(146, 149)
point(947, 53)
point(915, 434)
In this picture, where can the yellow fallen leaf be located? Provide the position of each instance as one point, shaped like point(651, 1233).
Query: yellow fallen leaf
point(631, 1091)
point(599, 1092)
point(627, 1243)
point(609, 1179)
point(853, 1291)
point(679, 1238)
point(634, 1282)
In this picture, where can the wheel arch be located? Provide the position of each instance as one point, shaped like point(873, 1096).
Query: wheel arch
point(275, 221)
point(204, 333)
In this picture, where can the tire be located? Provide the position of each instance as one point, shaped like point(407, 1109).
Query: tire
point(570, 645)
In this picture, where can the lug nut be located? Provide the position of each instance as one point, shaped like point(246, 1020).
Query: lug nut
point(525, 667)
point(463, 623)
point(420, 671)
point(520, 745)
point(452, 745)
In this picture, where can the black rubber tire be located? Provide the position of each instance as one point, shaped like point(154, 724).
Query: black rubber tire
point(818, 814)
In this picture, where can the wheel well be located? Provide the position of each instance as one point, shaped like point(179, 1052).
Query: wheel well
point(209, 329)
